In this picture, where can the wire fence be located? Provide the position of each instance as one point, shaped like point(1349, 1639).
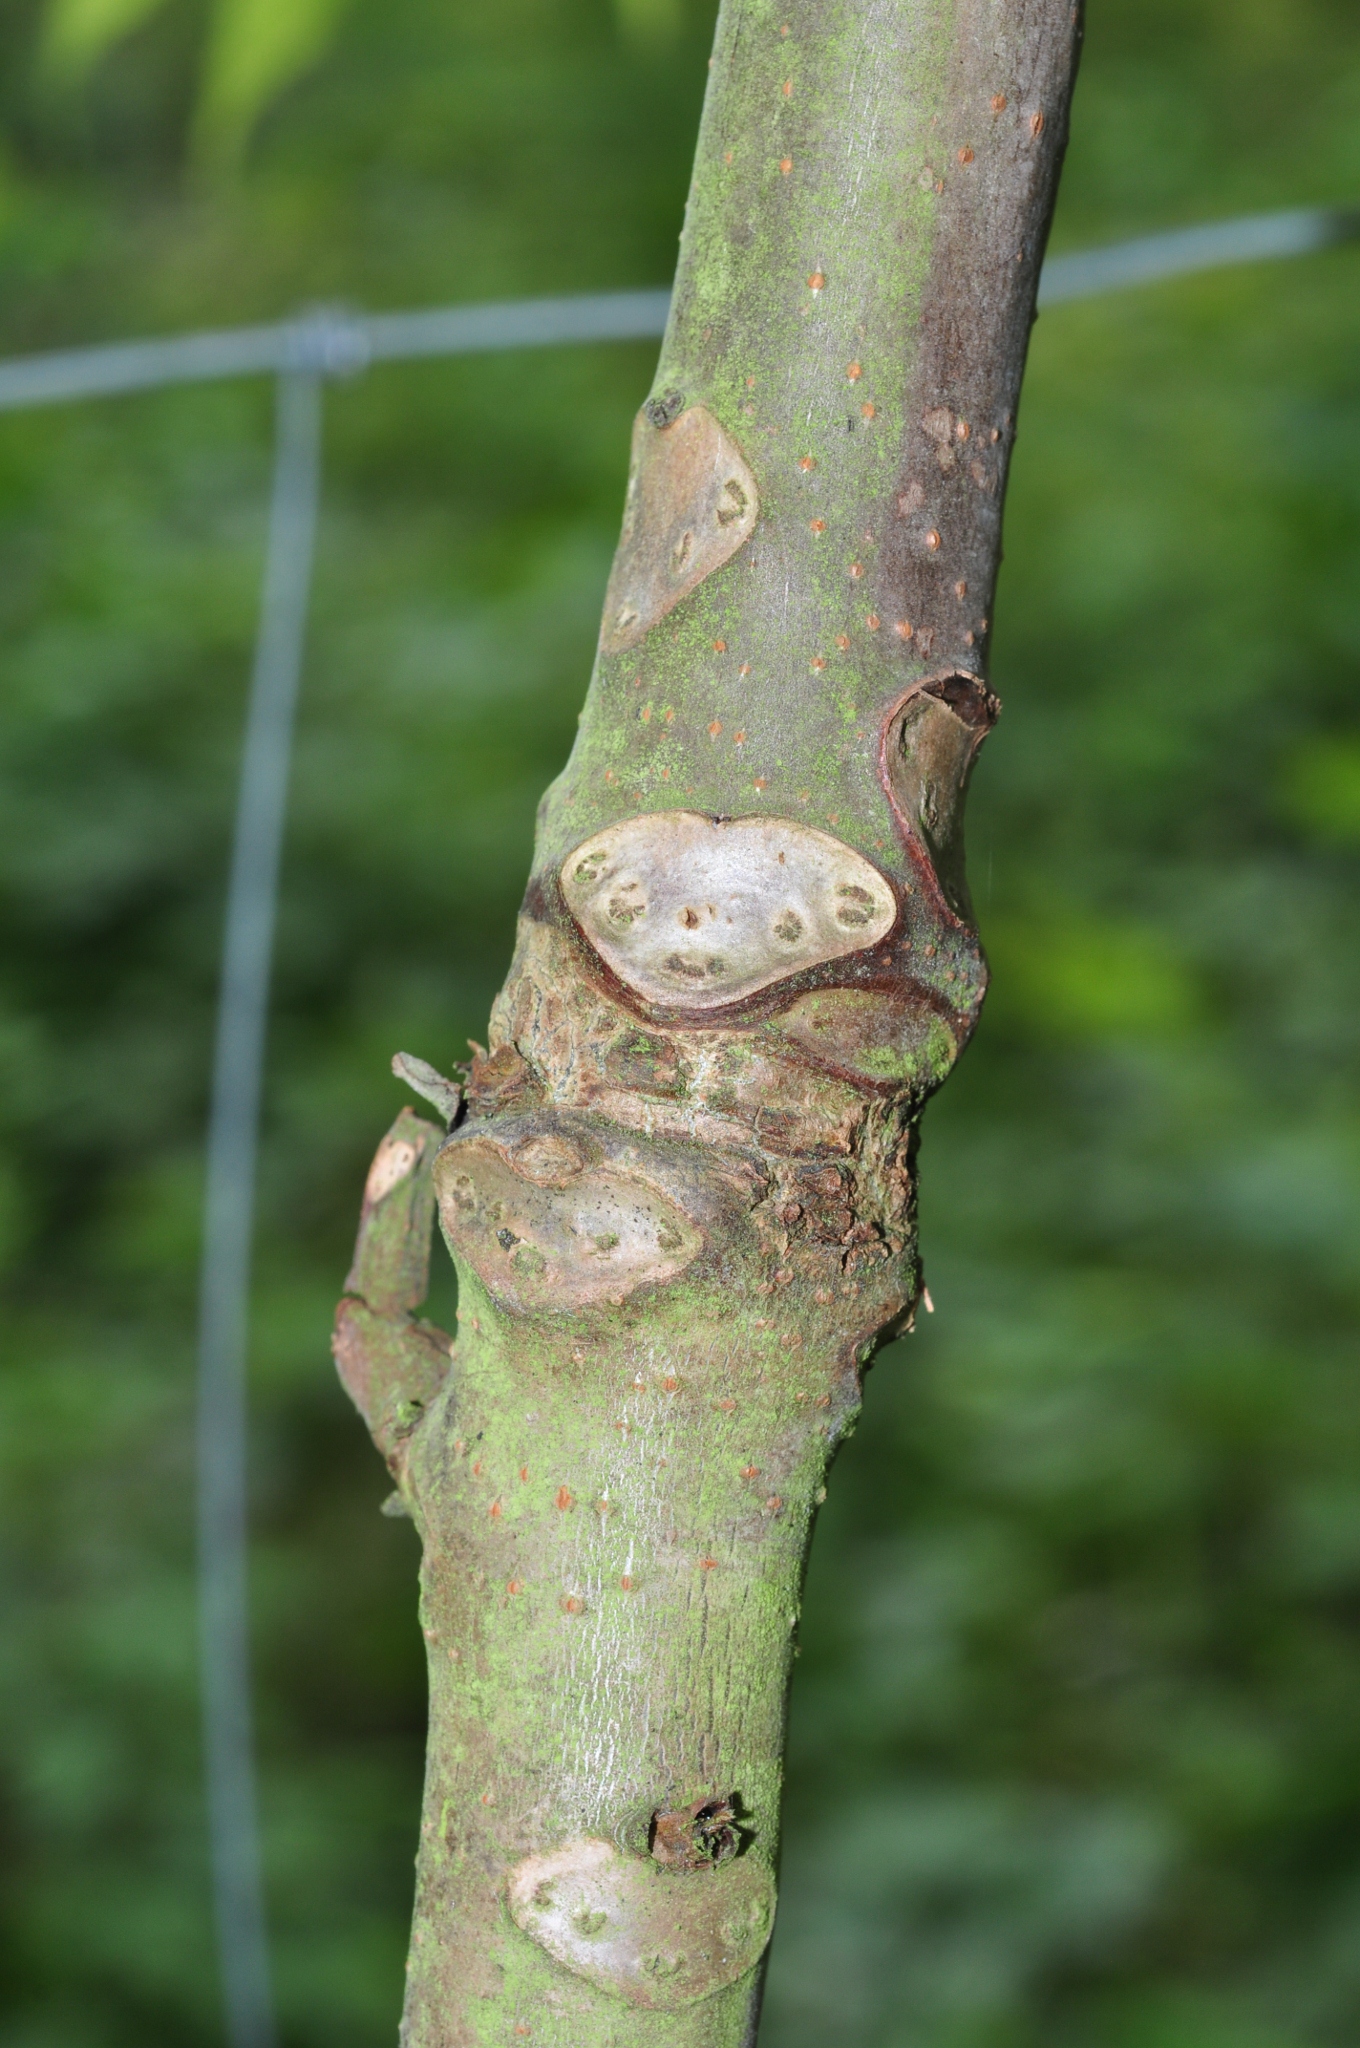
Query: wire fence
point(301, 354)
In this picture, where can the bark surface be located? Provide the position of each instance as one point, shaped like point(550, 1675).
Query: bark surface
point(680, 1192)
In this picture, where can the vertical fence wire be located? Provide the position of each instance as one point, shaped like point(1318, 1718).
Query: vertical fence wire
point(229, 1215)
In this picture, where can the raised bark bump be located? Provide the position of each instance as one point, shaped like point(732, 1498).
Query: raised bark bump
point(556, 1241)
point(697, 913)
point(655, 1937)
point(882, 1037)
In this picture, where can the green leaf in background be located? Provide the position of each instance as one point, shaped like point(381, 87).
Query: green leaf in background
point(255, 49)
point(75, 34)
point(650, 24)
point(1322, 790)
point(1087, 977)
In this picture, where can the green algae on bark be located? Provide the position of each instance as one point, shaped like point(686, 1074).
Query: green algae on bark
point(681, 1191)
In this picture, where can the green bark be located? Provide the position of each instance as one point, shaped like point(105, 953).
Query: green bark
point(681, 1199)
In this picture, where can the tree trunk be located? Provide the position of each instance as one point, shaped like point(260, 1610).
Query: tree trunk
point(681, 1193)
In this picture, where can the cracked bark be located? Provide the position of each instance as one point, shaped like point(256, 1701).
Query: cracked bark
point(681, 1191)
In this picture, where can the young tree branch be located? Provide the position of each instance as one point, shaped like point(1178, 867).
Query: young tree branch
point(682, 1201)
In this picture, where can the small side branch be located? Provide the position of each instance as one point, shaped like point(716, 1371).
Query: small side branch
point(393, 1363)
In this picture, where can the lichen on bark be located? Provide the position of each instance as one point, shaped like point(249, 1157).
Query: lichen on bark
point(680, 1192)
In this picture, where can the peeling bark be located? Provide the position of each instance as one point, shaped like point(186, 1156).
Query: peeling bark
point(680, 1192)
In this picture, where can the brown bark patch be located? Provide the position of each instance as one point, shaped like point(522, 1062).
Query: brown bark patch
point(691, 503)
point(695, 1837)
point(930, 742)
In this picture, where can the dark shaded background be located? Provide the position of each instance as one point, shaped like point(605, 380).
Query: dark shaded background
point(1076, 1734)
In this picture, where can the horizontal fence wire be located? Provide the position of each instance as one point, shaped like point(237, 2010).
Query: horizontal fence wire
point(1215, 246)
point(301, 353)
point(330, 342)
point(333, 342)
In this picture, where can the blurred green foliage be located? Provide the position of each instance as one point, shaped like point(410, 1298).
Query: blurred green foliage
point(1076, 1736)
